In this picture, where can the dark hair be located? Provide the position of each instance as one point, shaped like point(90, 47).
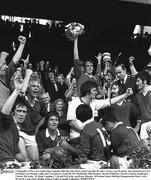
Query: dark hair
point(51, 71)
point(121, 65)
point(86, 87)
point(122, 87)
point(20, 101)
point(90, 61)
point(144, 75)
point(84, 112)
point(50, 114)
point(109, 118)
point(59, 100)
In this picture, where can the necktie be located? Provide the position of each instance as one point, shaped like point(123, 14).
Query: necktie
point(122, 81)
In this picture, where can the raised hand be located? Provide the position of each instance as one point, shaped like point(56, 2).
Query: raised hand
point(131, 59)
point(71, 71)
point(26, 61)
point(149, 50)
point(22, 39)
point(18, 82)
point(41, 63)
point(29, 71)
point(47, 65)
point(3, 55)
point(75, 37)
point(99, 57)
point(129, 91)
point(30, 66)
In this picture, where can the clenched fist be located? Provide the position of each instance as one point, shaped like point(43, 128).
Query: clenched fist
point(149, 50)
point(22, 39)
point(41, 63)
point(131, 59)
point(129, 91)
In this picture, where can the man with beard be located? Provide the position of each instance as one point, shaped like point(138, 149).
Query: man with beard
point(88, 93)
point(123, 111)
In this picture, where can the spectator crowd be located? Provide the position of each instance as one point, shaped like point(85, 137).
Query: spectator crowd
point(95, 114)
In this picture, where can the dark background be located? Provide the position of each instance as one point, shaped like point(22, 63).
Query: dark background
point(109, 25)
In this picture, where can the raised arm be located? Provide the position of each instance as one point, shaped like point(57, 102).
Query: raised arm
point(132, 67)
point(122, 96)
point(6, 109)
point(26, 62)
point(98, 69)
point(3, 57)
point(69, 93)
point(77, 65)
point(20, 49)
point(149, 50)
point(12, 66)
point(28, 73)
point(68, 77)
point(75, 48)
point(43, 74)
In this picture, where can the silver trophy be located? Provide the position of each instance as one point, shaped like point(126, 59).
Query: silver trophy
point(73, 29)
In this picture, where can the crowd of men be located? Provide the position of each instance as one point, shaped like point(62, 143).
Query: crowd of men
point(97, 115)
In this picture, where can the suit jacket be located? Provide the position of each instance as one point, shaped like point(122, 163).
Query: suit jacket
point(131, 83)
point(53, 92)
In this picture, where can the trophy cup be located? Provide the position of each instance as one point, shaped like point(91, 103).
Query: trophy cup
point(73, 29)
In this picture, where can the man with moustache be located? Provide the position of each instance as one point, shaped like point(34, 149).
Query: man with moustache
point(123, 111)
point(88, 93)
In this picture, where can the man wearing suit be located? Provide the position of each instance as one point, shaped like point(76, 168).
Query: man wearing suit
point(128, 80)
point(51, 86)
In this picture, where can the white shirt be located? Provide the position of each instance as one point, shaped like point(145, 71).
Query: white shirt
point(71, 114)
point(48, 107)
point(124, 80)
point(48, 135)
point(90, 75)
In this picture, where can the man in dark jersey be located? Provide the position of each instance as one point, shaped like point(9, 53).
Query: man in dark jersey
point(123, 140)
point(9, 136)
